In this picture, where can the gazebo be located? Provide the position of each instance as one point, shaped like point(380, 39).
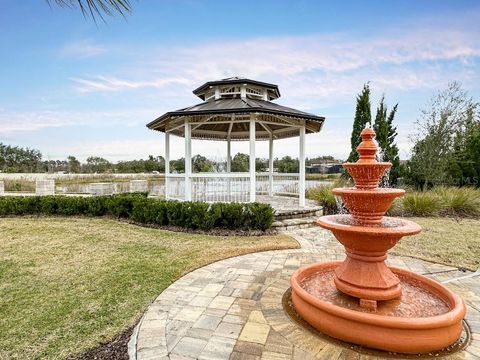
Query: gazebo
point(235, 109)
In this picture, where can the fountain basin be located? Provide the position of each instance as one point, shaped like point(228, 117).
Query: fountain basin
point(390, 333)
point(368, 206)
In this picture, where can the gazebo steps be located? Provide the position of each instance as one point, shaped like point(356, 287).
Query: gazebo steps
point(311, 211)
point(289, 216)
point(294, 224)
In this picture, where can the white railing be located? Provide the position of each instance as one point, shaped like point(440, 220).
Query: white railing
point(221, 187)
point(229, 187)
point(283, 183)
point(262, 185)
point(175, 186)
point(210, 187)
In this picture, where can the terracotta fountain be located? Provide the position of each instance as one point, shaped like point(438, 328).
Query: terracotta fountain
point(361, 300)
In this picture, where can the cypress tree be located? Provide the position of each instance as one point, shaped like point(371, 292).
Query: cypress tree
point(362, 117)
point(386, 134)
point(380, 126)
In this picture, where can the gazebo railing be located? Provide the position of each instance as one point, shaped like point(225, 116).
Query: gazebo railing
point(175, 186)
point(283, 183)
point(229, 187)
point(221, 187)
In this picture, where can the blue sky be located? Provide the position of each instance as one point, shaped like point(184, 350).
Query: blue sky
point(71, 87)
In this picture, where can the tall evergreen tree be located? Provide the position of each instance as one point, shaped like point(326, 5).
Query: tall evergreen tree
point(362, 117)
point(446, 133)
point(386, 133)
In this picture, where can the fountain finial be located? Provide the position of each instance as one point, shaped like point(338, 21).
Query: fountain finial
point(367, 148)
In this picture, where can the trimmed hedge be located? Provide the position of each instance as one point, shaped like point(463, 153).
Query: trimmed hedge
point(137, 207)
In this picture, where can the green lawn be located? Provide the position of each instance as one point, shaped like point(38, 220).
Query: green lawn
point(68, 283)
point(449, 241)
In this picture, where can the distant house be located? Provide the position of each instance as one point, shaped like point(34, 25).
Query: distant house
point(325, 168)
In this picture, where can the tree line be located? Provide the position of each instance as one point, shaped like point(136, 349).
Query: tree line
point(14, 159)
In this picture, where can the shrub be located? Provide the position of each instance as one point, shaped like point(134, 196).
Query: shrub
point(139, 208)
point(421, 204)
point(121, 205)
point(47, 204)
point(462, 201)
point(323, 196)
point(70, 205)
point(176, 213)
point(261, 216)
point(157, 212)
point(95, 206)
point(232, 216)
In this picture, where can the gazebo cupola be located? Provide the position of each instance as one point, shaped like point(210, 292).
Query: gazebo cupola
point(237, 87)
point(235, 109)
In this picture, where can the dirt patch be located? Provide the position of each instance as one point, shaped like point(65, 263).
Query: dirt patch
point(115, 349)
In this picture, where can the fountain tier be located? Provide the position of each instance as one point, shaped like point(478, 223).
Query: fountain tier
point(364, 274)
point(368, 206)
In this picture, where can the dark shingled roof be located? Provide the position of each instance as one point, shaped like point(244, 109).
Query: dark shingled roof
point(229, 116)
point(273, 89)
point(230, 106)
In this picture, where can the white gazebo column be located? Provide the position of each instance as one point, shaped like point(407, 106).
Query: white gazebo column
point(252, 160)
point(188, 161)
point(301, 168)
point(229, 155)
point(270, 165)
point(167, 162)
point(229, 168)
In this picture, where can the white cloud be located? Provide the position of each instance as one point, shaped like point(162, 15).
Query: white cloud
point(308, 69)
point(105, 83)
point(15, 121)
point(82, 49)
point(31, 121)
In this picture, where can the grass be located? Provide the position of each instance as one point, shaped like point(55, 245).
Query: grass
point(464, 201)
point(421, 204)
point(19, 185)
point(74, 180)
point(315, 176)
point(443, 201)
point(444, 240)
point(68, 283)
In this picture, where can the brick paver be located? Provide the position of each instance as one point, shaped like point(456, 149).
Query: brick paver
point(232, 309)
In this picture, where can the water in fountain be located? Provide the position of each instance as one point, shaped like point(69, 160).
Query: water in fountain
point(416, 302)
point(341, 209)
point(385, 180)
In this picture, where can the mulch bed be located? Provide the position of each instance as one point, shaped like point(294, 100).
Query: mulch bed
point(115, 349)
point(214, 231)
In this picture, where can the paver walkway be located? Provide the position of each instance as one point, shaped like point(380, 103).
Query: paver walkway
point(232, 309)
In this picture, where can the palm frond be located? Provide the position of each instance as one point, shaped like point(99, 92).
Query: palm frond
point(96, 8)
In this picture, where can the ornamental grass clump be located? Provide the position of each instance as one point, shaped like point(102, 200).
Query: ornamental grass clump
point(421, 204)
point(459, 201)
point(323, 196)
